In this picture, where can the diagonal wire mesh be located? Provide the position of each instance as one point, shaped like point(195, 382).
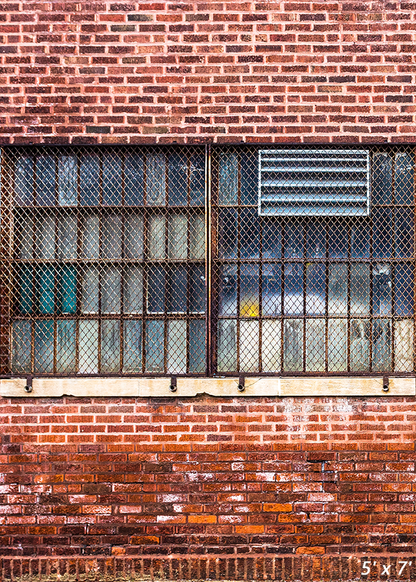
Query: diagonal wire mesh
point(314, 259)
point(103, 254)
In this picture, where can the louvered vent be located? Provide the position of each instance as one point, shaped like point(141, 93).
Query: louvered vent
point(314, 182)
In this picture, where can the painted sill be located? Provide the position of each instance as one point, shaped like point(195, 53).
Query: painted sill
point(189, 387)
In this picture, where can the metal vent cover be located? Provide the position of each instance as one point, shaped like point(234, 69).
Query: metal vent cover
point(310, 182)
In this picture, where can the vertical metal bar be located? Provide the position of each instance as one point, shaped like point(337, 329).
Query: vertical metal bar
point(210, 342)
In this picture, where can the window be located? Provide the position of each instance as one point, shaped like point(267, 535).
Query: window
point(104, 260)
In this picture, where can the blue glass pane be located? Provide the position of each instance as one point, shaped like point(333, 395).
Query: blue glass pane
point(177, 290)
point(404, 289)
point(249, 233)
point(45, 180)
point(338, 240)
point(272, 239)
point(197, 346)
point(227, 233)
point(197, 179)
point(315, 289)
point(294, 241)
point(382, 233)
point(90, 179)
point(178, 179)
point(404, 178)
point(156, 290)
point(404, 232)
point(25, 286)
point(45, 287)
point(197, 289)
point(360, 241)
point(67, 289)
point(133, 179)
point(112, 179)
point(382, 178)
point(315, 240)
point(43, 347)
point(23, 181)
point(154, 346)
point(272, 289)
point(249, 179)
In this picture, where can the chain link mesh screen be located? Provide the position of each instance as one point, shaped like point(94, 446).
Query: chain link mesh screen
point(103, 261)
point(296, 292)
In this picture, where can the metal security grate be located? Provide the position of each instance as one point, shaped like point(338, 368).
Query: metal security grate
point(314, 182)
point(103, 261)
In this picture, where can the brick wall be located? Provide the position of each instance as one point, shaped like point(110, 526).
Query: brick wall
point(197, 71)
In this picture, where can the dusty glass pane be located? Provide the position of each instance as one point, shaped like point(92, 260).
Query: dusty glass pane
point(272, 289)
point(293, 345)
point(133, 236)
point(360, 241)
point(178, 179)
point(111, 290)
point(382, 233)
point(157, 246)
point(227, 233)
point(89, 179)
point(111, 236)
point(228, 178)
point(196, 237)
point(21, 346)
point(133, 179)
point(177, 236)
point(197, 346)
point(403, 345)
point(337, 289)
point(404, 178)
point(91, 237)
point(360, 331)
point(45, 237)
point(404, 289)
point(315, 288)
point(112, 178)
point(228, 290)
point(272, 239)
point(67, 237)
point(43, 347)
point(154, 346)
point(133, 290)
point(360, 289)
point(227, 345)
point(88, 347)
point(90, 294)
point(249, 291)
point(197, 289)
point(156, 290)
point(67, 180)
point(337, 240)
point(110, 346)
point(315, 345)
point(24, 237)
point(294, 237)
point(249, 178)
point(271, 345)
point(177, 347)
point(382, 289)
point(45, 289)
point(404, 233)
point(24, 181)
point(156, 178)
point(25, 289)
point(65, 347)
point(382, 345)
point(381, 179)
point(293, 290)
point(45, 180)
point(176, 292)
point(337, 345)
point(197, 179)
point(249, 233)
point(315, 240)
point(249, 346)
point(133, 337)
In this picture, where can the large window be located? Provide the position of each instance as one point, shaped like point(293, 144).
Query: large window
point(221, 260)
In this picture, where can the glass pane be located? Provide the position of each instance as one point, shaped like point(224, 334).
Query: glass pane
point(404, 178)
point(45, 180)
point(177, 236)
point(360, 330)
point(272, 289)
point(403, 345)
point(315, 345)
point(197, 346)
point(176, 293)
point(67, 289)
point(133, 337)
point(197, 289)
point(381, 290)
point(227, 345)
point(272, 239)
point(24, 181)
point(337, 345)
point(338, 240)
point(293, 345)
point(382, 233)
point(196, 237)
point(249, 291)
point(177, 347)
point(293, 294)
point(315, 240)
point(271, 345)
point(315, 289)
point(111, 290)
point(404, 233)
point(88, 347)
point(90, 295)
point(24, 237)
point(337, 289)
point(45, 237)
point(133, 236)
point(249, 179)
point(249, 233)
point(43, 347)
point(404, 289)
point(110, 346)
point(156, 290)
point(112, 179)
point(89, 179)
point(227, 233)
point(360, 289)
point(133, 179)
point(21, 347)
point(197, 179)
point(25, 289)
point(111, 236)
point(228, 178)
point(67, 180)
point(382, 345)
point(178, 179)
point(156, 178)
point(381, 179)
point(157, 248)
point(249, 346)
point(294, 241)
point(228, 290)
point(65, 347)
point(67, 237)
point(133, 290)
point(360, 241)
point(91, 237)
point(154, 347)
point(45, 287)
